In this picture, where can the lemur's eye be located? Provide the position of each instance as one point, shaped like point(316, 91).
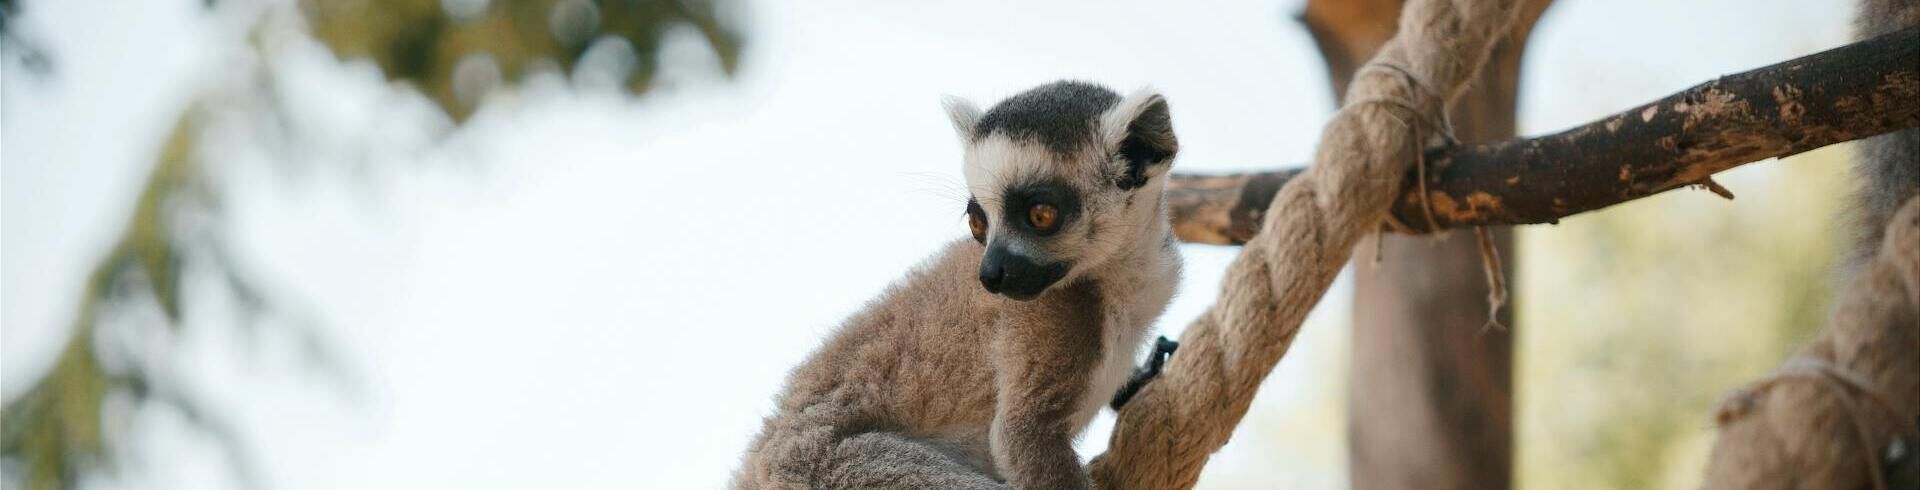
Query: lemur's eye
point(977, 221)
point(1043, 217)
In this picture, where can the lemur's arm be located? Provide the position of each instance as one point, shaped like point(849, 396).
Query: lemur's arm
point(1042, 371)
point(1162, 350)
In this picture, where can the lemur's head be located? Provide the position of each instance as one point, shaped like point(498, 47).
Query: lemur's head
point(1062, 178)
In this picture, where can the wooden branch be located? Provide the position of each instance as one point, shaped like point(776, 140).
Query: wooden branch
point(1855, 91)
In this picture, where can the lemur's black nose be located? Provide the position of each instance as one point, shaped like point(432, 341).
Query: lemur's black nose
point(1017, 276)
point(991, 275)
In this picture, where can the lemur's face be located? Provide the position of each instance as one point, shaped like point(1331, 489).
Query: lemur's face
point(1060, 179)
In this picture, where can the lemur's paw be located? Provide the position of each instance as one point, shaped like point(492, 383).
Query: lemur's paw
point(1162, 350)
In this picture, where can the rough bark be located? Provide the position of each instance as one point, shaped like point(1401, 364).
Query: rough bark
point(1855, 91)
point(1431, 392)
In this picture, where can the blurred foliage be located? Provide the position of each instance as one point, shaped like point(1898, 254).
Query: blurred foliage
point(8, 9)
point(57, 428)
point(21, 50)
point(1638, 318)
point(456, 51)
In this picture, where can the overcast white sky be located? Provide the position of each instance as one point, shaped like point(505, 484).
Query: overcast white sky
point(582, 291)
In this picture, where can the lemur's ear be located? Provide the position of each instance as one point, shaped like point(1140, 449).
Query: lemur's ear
point(1139, 131)
point(964, 115)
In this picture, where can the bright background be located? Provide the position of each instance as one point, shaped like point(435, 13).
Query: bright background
point(579, 289)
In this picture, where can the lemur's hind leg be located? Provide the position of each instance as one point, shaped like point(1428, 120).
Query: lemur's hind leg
point(885, 460)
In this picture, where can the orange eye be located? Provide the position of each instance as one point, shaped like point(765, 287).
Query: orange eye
point(977, 221)
point(1043, 217)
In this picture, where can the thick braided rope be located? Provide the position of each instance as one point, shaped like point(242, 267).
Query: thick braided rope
point(1817, 428)
point(1489, 256)
point(1841, 385)
point(1165, 435)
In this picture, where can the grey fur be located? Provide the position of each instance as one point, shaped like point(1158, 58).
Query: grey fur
point(940, 384)
point(1061, 116)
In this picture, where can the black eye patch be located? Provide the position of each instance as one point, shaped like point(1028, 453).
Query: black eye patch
point(1022, 197)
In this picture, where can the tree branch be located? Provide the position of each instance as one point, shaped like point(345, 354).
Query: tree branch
point(1851, 92)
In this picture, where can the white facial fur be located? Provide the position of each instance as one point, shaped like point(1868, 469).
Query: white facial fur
point(1109, 217)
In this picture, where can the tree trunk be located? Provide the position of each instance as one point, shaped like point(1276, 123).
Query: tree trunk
point(1431, 389)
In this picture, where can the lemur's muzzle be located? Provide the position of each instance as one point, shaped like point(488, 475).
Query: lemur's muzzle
point(1017, 276)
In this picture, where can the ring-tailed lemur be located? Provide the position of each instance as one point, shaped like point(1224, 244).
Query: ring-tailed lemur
point(980, 368)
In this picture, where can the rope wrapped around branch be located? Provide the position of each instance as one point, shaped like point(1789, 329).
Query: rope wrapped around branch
point(1165, 435)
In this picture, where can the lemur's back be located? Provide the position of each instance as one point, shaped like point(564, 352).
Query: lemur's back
point(927, 332)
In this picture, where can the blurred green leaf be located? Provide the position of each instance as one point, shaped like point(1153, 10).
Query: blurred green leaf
point(455, 58)
point(56, 426)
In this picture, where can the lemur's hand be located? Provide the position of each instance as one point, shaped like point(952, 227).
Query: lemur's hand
point(1162, 350)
